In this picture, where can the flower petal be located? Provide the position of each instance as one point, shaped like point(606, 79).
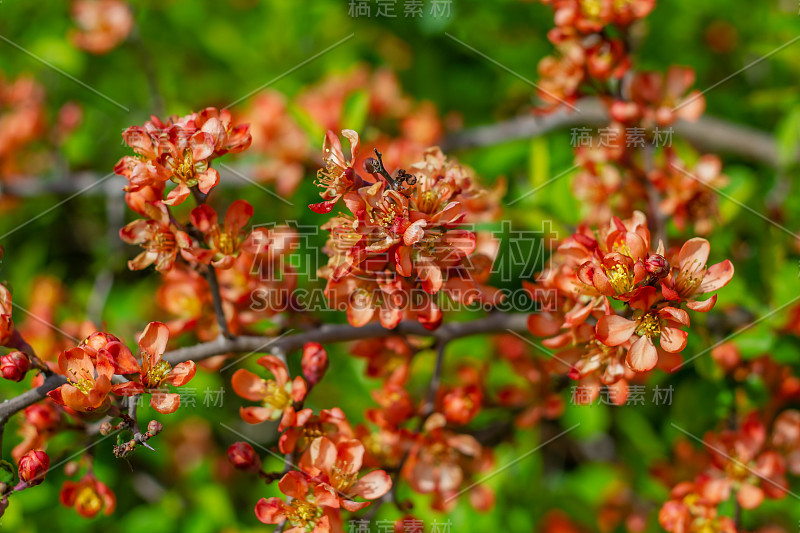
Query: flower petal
point(613, 330)
point(181, 374)
point(248, 385)
point(373, 485)
point(642, 355)
point(165, 403)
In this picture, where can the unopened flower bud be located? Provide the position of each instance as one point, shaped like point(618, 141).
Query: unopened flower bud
point(154, 427)
point(14, 365)
point(314, 362)
point(242, 456)
point(33, 467)
point(657, 265)
point(105, 428)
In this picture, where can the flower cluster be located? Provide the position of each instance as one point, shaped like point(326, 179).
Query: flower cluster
point(619, 263)
point(619, 165)
point(404, 240)
point(329, 480)
point(246, 261)
point(180, 150)
point(285, 144)
point(90, 367)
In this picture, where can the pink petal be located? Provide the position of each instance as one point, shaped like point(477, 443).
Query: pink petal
point(693, 254)
point(153, 341)
point(181, 374)
point(717, 276)
point(165, 403)
point(373, 485)
point(642, 355)
point(613, 330)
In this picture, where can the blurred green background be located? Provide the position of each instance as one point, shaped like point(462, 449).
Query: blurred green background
point(202, 53)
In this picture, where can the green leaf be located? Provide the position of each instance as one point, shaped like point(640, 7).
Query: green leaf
point(356, 108)
point(6, 472)
point(787, 137)
point(538, 162)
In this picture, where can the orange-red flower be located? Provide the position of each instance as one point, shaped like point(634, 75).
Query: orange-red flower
point(338, 177)
point(224, 242)
point(691, 277)
point(89, 497)
point(154, 374)
point(88, 380)
point(435, 460)
point(309, 510)
point(158, 236)
point(689, 512)
point(338, 465)
point(664, 323)
point(742, 466)
point(330, 423)
point(277, 396)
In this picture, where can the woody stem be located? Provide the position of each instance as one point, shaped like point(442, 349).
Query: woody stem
point(383, 172)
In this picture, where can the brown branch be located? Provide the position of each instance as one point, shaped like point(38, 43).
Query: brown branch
point(493, 323)
point(708, 133)
point(216, 296)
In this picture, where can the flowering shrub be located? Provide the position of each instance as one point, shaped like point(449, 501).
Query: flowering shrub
point(396, 342)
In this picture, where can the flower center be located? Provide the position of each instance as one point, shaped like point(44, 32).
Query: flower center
point(276, 396)
point(84, 385)
point(341, 480)
point(156, 375)
point(162, 240)
point(689, 279)
point(89, 500)
point(649, 326)
point(620, 278)
point(592, 8)
point(302, 513)
point(185, 170)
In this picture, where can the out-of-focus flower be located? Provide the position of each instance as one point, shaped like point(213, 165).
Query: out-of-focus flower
point(243, 457)
point(102, 24)
point(314, 362)
point(741, 465)
point(89, 497)
point(689, 512)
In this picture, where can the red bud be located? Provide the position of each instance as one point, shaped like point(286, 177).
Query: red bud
point(33, 467)
point(14, 365)
point(314, 362)
point(242, 456)
point(657, 265)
